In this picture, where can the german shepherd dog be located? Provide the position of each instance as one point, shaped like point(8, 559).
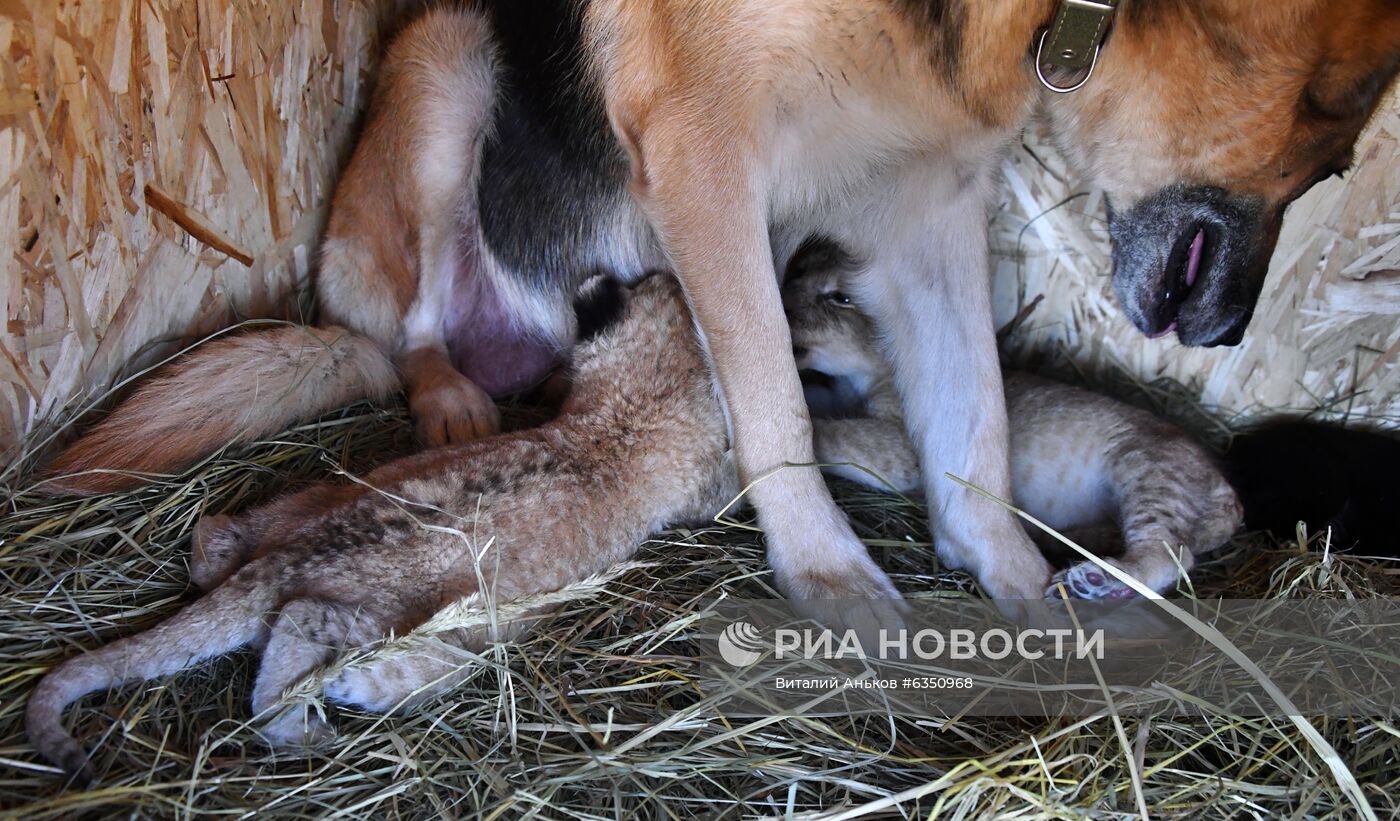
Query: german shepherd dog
point(511, 148)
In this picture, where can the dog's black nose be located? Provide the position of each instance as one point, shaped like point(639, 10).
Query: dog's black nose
point(1227, 330)
point(1192, 259)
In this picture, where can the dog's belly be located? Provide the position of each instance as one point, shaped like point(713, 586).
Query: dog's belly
point(550, 209)
point(552, 200)
point(487, 341)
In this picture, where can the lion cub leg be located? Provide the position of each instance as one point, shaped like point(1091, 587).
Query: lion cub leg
point(431, 667)
point(222, 544)
point(306, 635)
point(400, 681)
point(1173, 505)
point(874, 452)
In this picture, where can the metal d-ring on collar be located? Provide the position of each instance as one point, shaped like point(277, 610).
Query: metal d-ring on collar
point(1074, 40)
point(1045, 81)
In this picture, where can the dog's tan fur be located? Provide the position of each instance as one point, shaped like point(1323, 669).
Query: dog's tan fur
point(878, 122)
point(733, 113)
point(1262, 96)
point(202, 401)
point(726, 123)
point(394, 214)
point(1113, 477)
point(640, 442)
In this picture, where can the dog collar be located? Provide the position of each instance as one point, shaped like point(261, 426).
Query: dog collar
point(1073, 40)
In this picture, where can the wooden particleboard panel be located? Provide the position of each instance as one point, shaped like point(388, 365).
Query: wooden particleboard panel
point(164, 168)
point(1327, 330)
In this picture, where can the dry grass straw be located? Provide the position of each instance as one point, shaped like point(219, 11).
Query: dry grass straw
point(597, 713)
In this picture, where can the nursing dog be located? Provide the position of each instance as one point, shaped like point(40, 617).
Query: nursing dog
point(512, 146)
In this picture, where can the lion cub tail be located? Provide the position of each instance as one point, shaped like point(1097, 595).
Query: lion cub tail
point(224, 620)
point(233, 389)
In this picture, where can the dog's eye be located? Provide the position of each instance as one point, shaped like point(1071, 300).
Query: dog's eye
point(838, 298)
point(1336, 169)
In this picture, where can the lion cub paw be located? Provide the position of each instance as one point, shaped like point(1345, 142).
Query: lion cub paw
point(217, 550)
point(376, 688)
point(1087, 580)
point(297, 728)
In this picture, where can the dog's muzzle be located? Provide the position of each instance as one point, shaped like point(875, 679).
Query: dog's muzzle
point(1192, 259)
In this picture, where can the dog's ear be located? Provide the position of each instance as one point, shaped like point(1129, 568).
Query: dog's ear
point(1340, 92)
point(598, 305)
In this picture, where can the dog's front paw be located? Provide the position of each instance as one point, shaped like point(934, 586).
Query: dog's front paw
point(852, 595)
point(1011, 572)
point(450, 412)
point(1087, 580)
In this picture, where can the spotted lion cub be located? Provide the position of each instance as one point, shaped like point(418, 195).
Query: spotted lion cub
point(639, 443)
point(1114, 478)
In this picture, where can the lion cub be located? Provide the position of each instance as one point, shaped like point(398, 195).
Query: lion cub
point(1112, 477)
point(639, 443)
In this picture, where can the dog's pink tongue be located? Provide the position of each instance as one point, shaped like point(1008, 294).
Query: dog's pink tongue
point(1193, 262)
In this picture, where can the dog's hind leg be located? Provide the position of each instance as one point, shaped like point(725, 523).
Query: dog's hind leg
point(401, 239)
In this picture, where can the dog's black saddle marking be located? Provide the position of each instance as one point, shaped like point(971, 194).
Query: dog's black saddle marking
point(551, 169)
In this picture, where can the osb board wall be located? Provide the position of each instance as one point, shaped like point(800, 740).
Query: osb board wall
point(125, 125)
point(1327, 331)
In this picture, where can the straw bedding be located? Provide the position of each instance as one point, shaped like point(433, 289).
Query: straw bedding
point(596, 714)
